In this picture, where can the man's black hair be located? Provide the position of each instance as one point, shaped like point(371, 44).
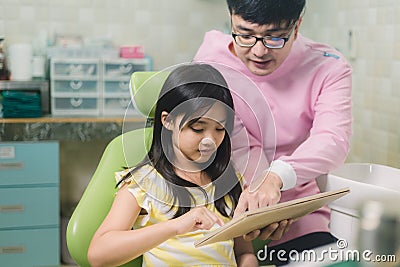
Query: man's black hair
point(265, 12)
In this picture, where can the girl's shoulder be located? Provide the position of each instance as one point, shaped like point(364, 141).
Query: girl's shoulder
point(142, 175)
point(149, 183)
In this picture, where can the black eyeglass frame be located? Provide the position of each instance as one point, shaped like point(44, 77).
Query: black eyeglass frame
point(262, 39)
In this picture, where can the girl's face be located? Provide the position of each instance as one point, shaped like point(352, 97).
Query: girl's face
point(197, 142)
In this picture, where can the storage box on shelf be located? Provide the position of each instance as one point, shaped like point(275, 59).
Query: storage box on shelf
point(115, 83)
point(75, 87)
point(40, 86)
point(29, 204)
point(93, 86)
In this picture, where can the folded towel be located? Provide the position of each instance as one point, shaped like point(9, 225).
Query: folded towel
point(21, 104)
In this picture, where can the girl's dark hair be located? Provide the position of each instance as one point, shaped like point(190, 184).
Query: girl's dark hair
point(195, 85)
point(264, 12)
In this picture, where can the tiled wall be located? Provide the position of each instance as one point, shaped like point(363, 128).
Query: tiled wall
point(172, 30)
point(376, 63)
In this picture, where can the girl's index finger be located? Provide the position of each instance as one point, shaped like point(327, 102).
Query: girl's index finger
point(216, 218)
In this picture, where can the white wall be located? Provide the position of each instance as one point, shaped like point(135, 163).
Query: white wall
point(376, 80)
point(170, 30)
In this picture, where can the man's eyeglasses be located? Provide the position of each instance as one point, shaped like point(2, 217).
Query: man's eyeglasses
point(246, 40)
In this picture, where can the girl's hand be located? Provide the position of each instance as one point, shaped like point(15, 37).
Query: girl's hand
point(195, 219)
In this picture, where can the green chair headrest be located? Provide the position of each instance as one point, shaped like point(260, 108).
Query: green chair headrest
point(145, 87)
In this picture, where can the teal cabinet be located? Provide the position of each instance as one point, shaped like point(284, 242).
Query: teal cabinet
point(29, 204)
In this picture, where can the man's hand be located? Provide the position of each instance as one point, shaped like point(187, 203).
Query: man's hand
point(268, 193)
point(274, 231)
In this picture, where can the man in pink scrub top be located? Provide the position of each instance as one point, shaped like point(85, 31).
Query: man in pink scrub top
point(307, 86)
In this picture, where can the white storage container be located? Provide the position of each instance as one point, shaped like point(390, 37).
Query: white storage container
point(75, 86)
point(93, 86)
point(116, 75)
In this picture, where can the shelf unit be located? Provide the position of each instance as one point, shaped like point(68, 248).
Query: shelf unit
point(93, 86)
point(75, 86)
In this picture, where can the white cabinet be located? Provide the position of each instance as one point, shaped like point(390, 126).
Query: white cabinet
point(93, 86)
point(116, 73)
point(75, 86)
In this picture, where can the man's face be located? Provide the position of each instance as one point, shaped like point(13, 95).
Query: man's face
point(259, 59)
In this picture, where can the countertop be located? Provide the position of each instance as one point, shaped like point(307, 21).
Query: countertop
point(82, 129)
point(51, 119)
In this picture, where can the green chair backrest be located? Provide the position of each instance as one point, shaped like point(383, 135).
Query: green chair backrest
point(125, 150)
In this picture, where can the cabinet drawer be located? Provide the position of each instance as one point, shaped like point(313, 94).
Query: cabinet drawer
point(29, 163)
point(75, 86)
point(36, 206)
point(75, 106)
point(30, 247)
point(124, 68)
point(75, 68)
point(119, 106)
point(112, 87)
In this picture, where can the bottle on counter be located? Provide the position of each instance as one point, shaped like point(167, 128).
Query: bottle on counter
point(39, 46)
point(4, 71)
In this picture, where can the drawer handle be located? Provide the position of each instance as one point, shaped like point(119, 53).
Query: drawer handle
point(75, 85)
point(124, 102)
point(12, 250)
point(11, 165)
point(90, 70)
point(126, 68)
point(76, 102)
point(75, 69)
point(12, 208)
point(124, 85)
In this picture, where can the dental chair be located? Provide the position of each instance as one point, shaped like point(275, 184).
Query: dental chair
point(123, 151)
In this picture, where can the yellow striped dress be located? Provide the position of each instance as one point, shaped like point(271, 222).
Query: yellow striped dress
point(152, 194)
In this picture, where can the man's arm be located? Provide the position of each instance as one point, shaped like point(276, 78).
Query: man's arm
point(328, 143)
